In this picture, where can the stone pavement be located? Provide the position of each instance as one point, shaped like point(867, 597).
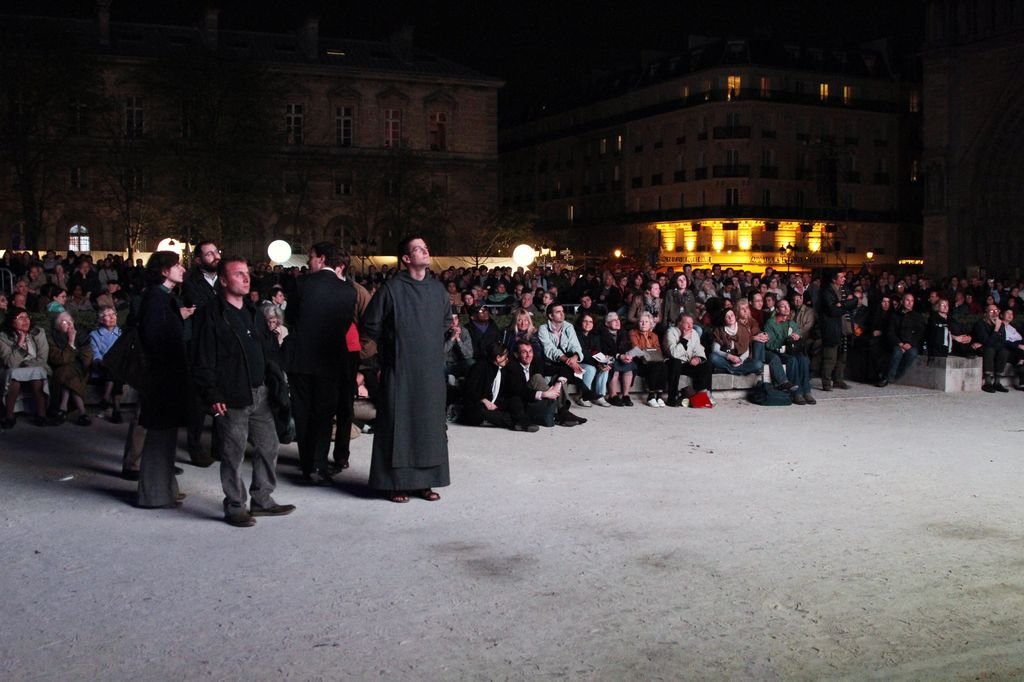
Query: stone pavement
point(877, 534)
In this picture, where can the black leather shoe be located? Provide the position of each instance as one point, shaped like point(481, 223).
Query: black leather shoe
point(241, 519)
point(276, 510)
point(1000, 388)
point(882, 383)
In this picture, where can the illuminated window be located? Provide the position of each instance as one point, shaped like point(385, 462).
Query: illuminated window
point(734, 85)
point(392, 128)
point(706, 88)
point(915, 170)
point(78, 239)
point(571, 213)
point(766, 87)
point(618, 143)
point(602, 146)
point(915, 101)
point(437, 131)
point(847, 94)
point(293, 122)
point(344, 126)
point(823, 91)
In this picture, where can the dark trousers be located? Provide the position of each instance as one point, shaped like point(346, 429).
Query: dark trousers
point(346, 399)
point(558, 369)
point(700, 375)
point(314, 404)
point(654, 374)
point(158, 487)
point(509, 413)
point(240, 425)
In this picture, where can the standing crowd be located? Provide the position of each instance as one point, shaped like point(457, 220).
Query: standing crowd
point(269, 355)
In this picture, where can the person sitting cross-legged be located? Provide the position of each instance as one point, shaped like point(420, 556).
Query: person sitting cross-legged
point(731, 350)
point(483, 399)
point(686, 356)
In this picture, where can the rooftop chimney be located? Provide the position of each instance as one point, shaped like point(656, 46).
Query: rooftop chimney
point(209, 27)
point(309, 38)
point(103, 20)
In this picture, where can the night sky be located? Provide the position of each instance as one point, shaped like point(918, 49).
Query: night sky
point(536, 46)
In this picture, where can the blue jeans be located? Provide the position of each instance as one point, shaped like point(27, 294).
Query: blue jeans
point(596, 380)
point(798, 371)
point(748, 366)
point(901, 361)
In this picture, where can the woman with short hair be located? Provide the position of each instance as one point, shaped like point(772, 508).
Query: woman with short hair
point(24, 353)
point(166, 397)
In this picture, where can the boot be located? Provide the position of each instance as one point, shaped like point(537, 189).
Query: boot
point(826, 384)
point(839, 373)
point(989, 386)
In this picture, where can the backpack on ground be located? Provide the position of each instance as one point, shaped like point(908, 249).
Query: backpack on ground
point(765, 394)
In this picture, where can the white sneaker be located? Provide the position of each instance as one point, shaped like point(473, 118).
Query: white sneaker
point(685, 402)
point(583, 403)
point(661, 403)
point(601, 402)
point(653, 402)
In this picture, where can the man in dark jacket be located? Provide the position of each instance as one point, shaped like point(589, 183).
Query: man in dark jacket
point(834, 303)
point(989, 341)
point(906, 332)
point(483, 400)
point(231, 352)
point(199, 289)
point(319, 317)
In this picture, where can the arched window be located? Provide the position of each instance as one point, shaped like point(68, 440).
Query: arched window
point(78, 239)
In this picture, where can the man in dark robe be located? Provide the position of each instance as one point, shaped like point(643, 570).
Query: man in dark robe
point(408, 317)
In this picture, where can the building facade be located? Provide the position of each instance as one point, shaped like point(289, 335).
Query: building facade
point(973, 135)
point(739, 152)
point(363, 140)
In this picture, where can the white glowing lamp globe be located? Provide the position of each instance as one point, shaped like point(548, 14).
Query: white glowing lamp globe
point(279, 251)
point(171, 244)
point(523, 255)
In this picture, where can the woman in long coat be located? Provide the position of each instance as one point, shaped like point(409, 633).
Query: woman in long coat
point(165, 396)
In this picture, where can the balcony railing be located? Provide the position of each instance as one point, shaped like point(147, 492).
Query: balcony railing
point(769, 171)
point(731, 132)
point(739, 170)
